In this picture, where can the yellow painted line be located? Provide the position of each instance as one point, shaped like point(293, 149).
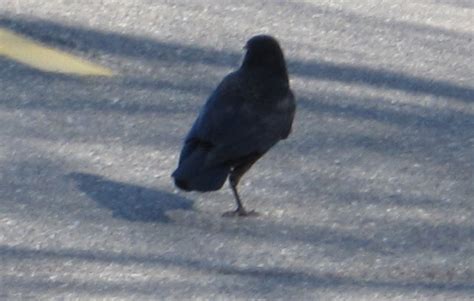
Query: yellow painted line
point(45, 58)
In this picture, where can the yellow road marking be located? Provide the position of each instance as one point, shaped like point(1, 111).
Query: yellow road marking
point(45, 58)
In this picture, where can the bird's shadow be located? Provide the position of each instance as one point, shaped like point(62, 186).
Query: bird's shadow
point(128, 201)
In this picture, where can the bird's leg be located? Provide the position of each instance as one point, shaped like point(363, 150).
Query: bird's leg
point(234, 178)
point(240, 211)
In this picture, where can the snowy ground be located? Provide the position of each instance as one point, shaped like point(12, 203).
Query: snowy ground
point(371, 197)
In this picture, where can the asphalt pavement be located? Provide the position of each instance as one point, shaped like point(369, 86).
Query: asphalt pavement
point(370, 198)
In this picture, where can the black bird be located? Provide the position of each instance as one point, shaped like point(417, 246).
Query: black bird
point(248, 113)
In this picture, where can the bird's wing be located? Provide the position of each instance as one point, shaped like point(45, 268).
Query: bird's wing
point(232, 126)
point(288, 109)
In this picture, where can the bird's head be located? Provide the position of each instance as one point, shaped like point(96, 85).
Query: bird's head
point(263, 51)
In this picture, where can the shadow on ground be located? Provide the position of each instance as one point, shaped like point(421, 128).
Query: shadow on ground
point(128, 201)
point(89, 40)
point(254, 279)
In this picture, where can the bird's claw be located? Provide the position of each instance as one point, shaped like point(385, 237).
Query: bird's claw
point(240, 213)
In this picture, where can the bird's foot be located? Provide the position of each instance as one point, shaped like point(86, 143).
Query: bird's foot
point(240, 212)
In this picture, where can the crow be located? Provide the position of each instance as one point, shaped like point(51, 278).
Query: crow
point(247, 114)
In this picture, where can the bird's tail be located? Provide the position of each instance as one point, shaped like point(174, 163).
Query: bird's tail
point(193, 174)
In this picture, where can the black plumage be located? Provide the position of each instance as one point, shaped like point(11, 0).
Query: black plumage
point(248, 113)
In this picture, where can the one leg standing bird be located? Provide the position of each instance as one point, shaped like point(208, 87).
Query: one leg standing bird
point(248, 113)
